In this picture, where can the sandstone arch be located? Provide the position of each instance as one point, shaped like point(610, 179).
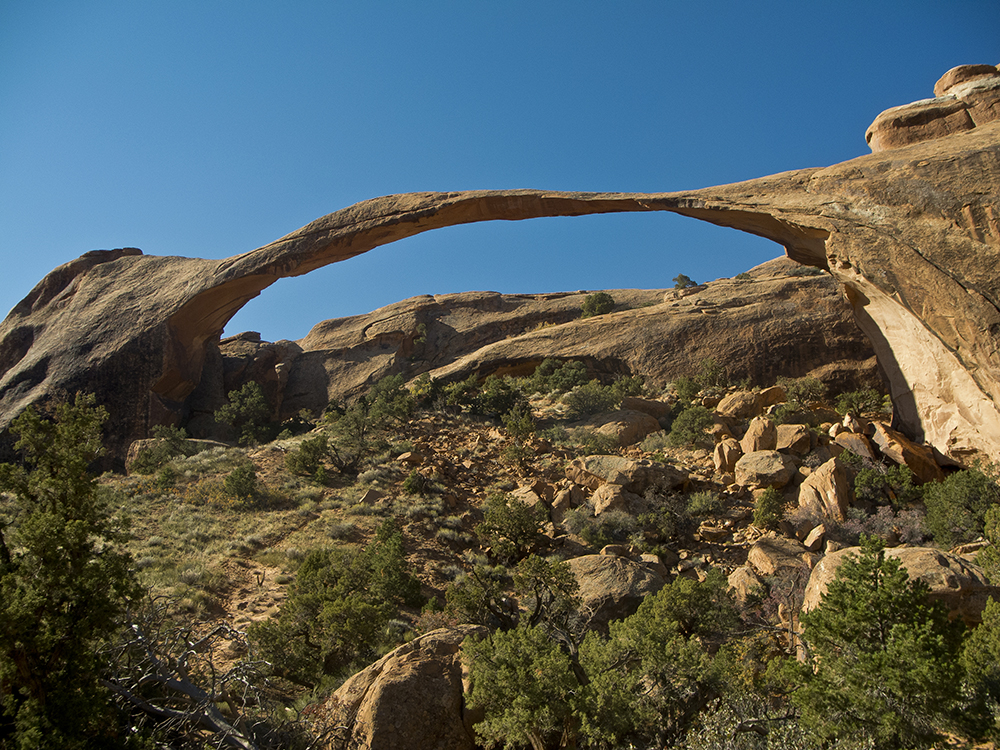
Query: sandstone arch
point(912, 234)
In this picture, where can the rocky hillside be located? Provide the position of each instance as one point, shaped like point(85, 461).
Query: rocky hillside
point(774, 320)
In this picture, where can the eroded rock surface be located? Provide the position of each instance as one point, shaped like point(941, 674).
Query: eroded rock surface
point(912, 234)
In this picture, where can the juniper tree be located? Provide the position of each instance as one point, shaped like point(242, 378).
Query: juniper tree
point(64, 582)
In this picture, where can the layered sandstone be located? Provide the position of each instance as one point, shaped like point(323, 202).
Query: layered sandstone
point(912, 234)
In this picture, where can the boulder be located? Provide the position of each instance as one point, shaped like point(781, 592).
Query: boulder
point(727, 452)
point(961, 585)
point(633, 476)
point(902, 450)
point(793, 438)
point(614, 497)
point(855, 443)
point(626, 426)
point(740, 405)
point(772, 396)
point(612, 587)
point(771, 553)
point(829, 491)
point(411, 697)
point(762, 469)
point(656, 409)
point(745, 583)
point(761, 435)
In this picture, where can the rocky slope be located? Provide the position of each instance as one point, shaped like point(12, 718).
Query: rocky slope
point(912, 233)
point(771, 324)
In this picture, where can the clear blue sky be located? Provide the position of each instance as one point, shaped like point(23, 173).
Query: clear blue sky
point(212, 127)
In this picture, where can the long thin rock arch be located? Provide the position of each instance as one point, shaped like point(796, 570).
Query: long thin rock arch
point(912, 235)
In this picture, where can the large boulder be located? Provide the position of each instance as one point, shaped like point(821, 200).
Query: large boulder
point(762, 469)
point(959, 584)
point(633, 476)
point(761, 435)
point(410, 698)
point(918, 458)
point(829, 491)
point(626, 426)
point(612, 587)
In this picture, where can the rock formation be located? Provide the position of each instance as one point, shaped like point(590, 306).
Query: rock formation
point(912, 233)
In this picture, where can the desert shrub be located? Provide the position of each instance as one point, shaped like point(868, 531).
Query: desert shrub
point(338, 609)
point(712, 374)
point(683, 282)
point(611, 527)
point(803, 390)
point(591, 398)
point(552, 376)
point(806, 271)
point(628, 385)
point(904, 525)
point(247, 414)
point(743, 278)
point(883, 661)
point(359, 430)
point(864, 401)
point(598, 303)
point(956, 507)
point(498, 396)
point(416, 483)
point(688, 428)
point(241, 483)
point(686, 388)
point(769, 509)
point(309, 457)
point(509, 527)
point(519, 421)
point(171, 442)
point(881, 484)
point(704, 503)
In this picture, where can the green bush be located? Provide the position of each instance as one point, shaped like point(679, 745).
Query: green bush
point(628, 385)
point(865, 401)
point(704, 503)
point(416, 484)
point(611, 527)
point(881, 485)
point(65, 583)
point(247, 414)
point(309, 456)
point(683, 282)
point(552, 376)
point(689, 426)
point(591, 398)
point(509, 527)
point(803, 390)
point(519, 422)
point(338, 609)
point(498, 396)
point(883, 661)
point(598, 303)
point(769, 509)
point(241, 483)
point(359, 430)
point(743, 278)
point(171, 442)
point(956, 507)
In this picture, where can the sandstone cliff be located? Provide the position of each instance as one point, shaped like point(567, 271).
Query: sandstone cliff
point(912, 233)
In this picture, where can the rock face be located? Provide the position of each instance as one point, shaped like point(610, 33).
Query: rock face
point(612, 587)
point(912, 235)
point(959, 584)
point(964, 98)
point(411, 697)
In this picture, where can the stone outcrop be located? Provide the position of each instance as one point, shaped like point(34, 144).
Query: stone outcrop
point(964, 98)
point(828, 492)
point(959, 584)
point(411, 697)
point(612, 587)
point(762, 469)
point(912, 234)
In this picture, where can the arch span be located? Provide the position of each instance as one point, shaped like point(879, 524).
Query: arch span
point(912, 234)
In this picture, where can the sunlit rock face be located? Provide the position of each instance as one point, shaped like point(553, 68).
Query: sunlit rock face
point(911, 232)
